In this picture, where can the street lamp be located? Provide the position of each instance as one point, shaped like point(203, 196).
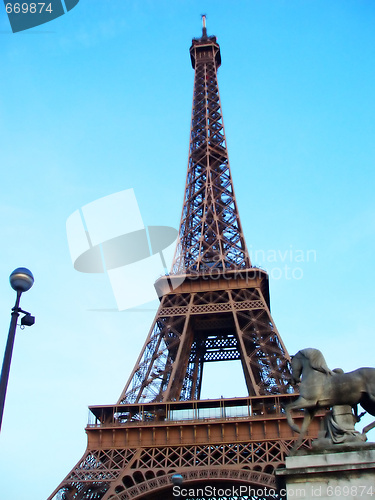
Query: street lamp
point(21, 280)
point(177, 480)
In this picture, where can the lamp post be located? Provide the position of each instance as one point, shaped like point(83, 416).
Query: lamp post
point(21, 280)
point(177, 480)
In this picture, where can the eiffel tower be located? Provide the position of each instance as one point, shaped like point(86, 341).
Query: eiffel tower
point(214, 306)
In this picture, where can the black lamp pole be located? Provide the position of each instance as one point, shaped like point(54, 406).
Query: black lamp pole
point(21, 280)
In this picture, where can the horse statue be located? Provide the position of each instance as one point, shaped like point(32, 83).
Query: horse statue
point(321, 387)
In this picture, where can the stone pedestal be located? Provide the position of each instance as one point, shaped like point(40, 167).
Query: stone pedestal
point(344, 471)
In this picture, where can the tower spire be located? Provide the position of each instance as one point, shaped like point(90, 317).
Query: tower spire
point(204, 29)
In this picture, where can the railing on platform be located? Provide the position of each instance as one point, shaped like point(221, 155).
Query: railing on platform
point(192, 411)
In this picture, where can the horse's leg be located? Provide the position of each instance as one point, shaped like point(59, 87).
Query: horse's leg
point(289, 418)
point(309, 415)
point(355, 412)
point(296, 405)
point(368, 427)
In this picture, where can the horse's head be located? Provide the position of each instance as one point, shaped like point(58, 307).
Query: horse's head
point(296, 368)
point(316, 360)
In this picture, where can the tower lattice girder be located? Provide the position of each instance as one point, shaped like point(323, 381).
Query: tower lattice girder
point(214, 307)
point(210, 235)
point(212, 280)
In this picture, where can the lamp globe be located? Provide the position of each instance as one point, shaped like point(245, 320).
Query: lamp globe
point(21, 279)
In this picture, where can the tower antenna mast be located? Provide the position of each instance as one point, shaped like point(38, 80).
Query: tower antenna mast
point(204, 29)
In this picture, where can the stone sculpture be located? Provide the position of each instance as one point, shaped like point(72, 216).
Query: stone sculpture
point(321, 387)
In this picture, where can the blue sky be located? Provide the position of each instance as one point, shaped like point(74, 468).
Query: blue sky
point(99, 101)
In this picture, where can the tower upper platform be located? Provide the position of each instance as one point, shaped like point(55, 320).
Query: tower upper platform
point(205, 47)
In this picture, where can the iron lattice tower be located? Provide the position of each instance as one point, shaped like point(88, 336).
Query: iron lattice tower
point(214, 307)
